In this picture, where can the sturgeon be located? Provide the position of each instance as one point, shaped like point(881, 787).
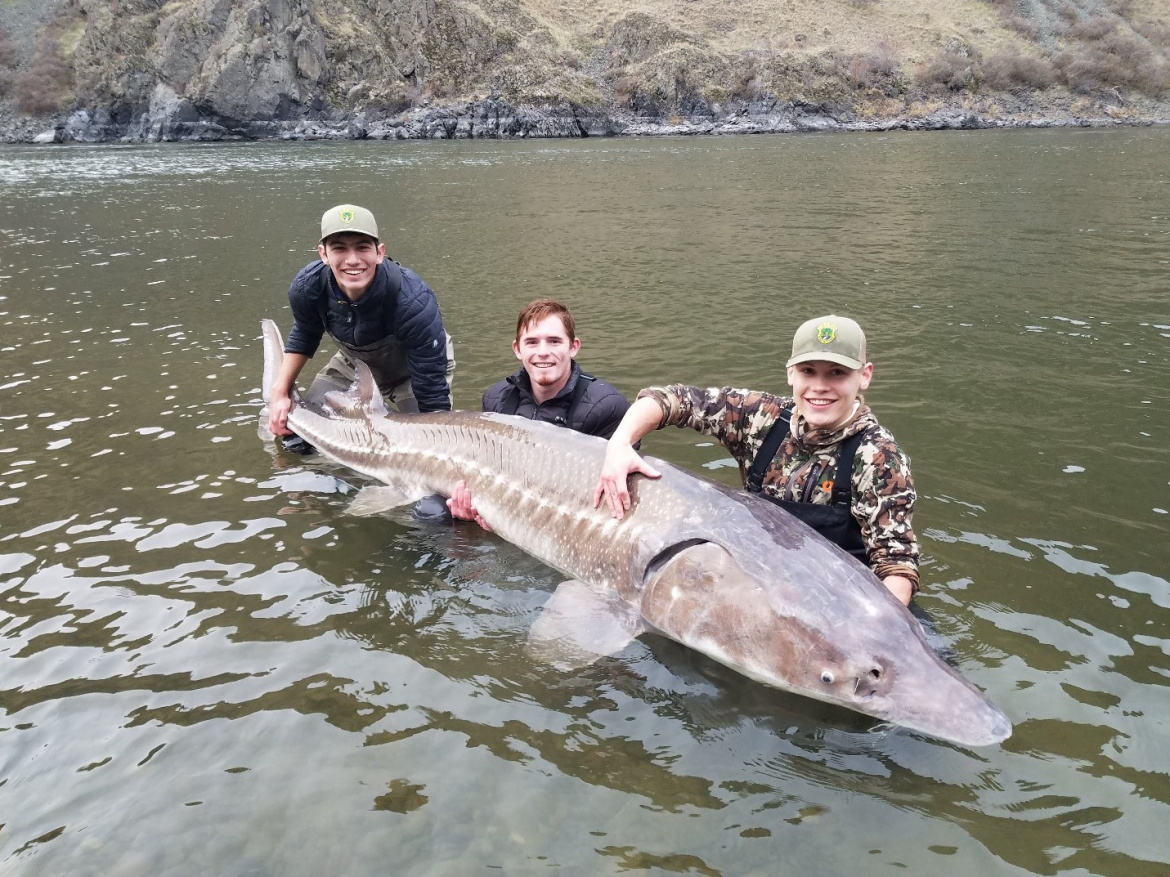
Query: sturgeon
point(721, 571)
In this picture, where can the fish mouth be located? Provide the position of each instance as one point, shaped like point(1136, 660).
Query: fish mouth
point(971, 721)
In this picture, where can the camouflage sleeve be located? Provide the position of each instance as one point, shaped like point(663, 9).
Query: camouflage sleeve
point(737, 419)
point(883, 503)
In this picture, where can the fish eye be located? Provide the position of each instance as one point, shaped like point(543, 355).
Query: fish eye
point(827, 677)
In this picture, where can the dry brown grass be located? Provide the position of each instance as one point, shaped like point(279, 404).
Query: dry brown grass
point(1121, 114)
point(683, 56)
point(818, 51)
point(846, 27)
point(921, 109)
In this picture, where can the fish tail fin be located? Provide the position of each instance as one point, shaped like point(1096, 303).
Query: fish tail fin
point(273, 356)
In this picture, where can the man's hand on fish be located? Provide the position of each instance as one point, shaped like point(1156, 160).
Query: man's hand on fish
point(621, 461)
point(278, 410)
point(461, 506)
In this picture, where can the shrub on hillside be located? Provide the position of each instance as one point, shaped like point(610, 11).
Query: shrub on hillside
point(45, 84)
point(1092, 29)
point(9, 54)
point(1068, 12)
point(1004, 71)
point(1115, 60)
point(747, 78)
point(1157, 32)
point(877, 68)
point(951, 70)
point(625, 90)
point(1023, 26)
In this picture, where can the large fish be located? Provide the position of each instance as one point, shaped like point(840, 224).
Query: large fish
point(728, 574)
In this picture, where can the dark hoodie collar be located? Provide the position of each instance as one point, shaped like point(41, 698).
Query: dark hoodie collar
point(521, 381)
point(388, 276)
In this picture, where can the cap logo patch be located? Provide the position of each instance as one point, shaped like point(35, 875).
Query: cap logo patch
point(347, 216)
point(826, 333)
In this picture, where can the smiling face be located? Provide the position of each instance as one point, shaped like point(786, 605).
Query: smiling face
point(825, 391)
point(546, 352)
point(353, 258)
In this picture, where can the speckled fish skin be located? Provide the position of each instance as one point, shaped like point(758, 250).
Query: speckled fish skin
point(728, 574)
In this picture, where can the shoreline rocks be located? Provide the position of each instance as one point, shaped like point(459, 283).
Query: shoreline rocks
point(171, 118)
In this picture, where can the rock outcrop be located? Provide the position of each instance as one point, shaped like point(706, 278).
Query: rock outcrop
point(146, 70)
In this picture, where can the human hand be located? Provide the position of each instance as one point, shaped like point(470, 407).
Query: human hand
point(461, 506)
point(278, 410)
point(621, 461)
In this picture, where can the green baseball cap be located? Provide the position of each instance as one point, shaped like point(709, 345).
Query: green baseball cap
point(832, 338)
point(348, 218)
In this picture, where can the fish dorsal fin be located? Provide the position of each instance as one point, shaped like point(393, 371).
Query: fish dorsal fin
point(581, 623)
point(367, 392)
point(362, 399)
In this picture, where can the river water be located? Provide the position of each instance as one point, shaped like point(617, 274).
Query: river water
point(208, 667)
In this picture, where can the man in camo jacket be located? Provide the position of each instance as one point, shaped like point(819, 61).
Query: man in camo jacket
point(789, 448)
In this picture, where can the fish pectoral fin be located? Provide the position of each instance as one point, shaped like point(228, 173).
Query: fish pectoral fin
point(581, 623)
point(262, 429)
point(381, 498)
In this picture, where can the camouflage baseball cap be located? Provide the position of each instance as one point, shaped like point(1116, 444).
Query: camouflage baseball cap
point(348, 218)
point(832, 338)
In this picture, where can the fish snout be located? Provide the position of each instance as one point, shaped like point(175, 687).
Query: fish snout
point(870, 680)
point(855, 683)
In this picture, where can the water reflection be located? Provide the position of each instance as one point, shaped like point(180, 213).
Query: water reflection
point(208, 665)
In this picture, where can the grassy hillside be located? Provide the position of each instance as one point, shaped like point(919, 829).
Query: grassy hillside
point(841, 50)
point(287, 59)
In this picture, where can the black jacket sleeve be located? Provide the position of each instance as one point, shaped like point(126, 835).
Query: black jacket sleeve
point(422, 336)
point(304, 300)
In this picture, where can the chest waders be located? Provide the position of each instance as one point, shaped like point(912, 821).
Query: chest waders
point(834, 521)
point(385, 357)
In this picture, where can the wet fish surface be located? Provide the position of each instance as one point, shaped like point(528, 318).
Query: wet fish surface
point(723, 572)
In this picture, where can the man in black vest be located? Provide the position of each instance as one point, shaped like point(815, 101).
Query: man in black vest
point(549, 385)
point(375, 310)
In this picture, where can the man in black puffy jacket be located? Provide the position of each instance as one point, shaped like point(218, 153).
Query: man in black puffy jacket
point(375, 310)
point(549, 386)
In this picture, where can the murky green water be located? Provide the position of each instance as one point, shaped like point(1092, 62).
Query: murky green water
point(207, 667)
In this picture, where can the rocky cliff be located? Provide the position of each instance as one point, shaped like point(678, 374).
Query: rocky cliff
point(149, 70)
